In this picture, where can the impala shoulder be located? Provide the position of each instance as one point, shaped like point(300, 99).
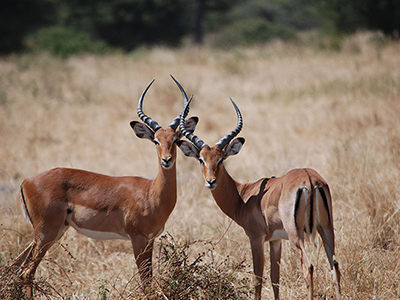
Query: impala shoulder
point(136, 182)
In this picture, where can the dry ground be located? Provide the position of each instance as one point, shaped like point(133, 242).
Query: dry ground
point(337, 112)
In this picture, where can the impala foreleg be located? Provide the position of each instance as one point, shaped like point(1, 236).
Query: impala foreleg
point(143, 251)
point(257, 250)
point(275, 250)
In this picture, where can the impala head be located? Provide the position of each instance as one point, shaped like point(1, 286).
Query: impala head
point(164, 139)
point(211, 158)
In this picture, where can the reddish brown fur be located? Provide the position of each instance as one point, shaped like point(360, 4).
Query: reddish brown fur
point(266, 209)
point(102, 206)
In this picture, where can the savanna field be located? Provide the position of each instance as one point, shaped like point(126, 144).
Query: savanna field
point(335, 111)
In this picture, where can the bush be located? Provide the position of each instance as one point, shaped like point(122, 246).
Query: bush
point(64, 42)
point(185, 275)
point(252, 31)
point(12, 285)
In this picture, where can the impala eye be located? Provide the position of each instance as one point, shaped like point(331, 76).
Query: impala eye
point(220, 160)
point(201, 160)
point(157, 142)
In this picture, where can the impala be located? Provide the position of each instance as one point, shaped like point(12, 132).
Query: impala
point(104, 207)
point(292, 207)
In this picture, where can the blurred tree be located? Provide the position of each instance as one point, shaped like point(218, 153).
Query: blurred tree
point(122, 23)
point(257, 21)
point(129, 23)
point(198, 13)
point(20, 17)
point(384, 15)
point(347, 16)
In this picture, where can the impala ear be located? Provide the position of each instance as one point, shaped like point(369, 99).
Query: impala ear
point(188, 148)
point(142, 131)
point(234, 147)
point(190, 125)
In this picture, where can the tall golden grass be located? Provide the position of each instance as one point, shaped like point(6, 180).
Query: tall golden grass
point(337, 112)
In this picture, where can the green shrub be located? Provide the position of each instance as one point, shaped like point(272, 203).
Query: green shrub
point(64, 42)
point(252, 31)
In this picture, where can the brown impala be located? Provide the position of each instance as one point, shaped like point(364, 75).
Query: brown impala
point(104, 207)
point(271, 209)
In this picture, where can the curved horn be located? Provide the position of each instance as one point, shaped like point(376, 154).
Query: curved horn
point(176, 121)
point(182, 126)
point(226, 139)
point(147, 120)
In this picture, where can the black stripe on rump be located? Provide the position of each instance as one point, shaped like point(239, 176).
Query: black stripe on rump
point(297, 204)
point(311, 221)
point(323, 195)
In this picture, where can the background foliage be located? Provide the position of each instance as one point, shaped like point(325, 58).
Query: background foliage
point(129, 24)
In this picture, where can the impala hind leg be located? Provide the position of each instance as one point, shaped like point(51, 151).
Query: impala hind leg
point(297, 245)
point(23, 256)
point(329, 245)
point(28, 261)
point(275, 249)
point(325, 230)
point(143, 251)
point(21, 260)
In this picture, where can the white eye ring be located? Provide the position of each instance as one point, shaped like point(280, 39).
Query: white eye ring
point(201, 160)
point(157, 142)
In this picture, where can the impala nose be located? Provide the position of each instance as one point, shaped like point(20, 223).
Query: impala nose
point(211, 183)
point(166, 162)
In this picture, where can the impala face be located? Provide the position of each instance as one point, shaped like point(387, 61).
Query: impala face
point(210, 160)
point(165, 141)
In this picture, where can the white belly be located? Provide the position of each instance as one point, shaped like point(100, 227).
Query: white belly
point(99, 235)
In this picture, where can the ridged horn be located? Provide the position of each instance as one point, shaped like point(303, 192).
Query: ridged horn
point(182, 126)
point(176, 121)
point(146, 119)
point(226, 139)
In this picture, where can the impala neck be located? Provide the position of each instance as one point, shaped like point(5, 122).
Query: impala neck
point(227, 196)
point(165, 185)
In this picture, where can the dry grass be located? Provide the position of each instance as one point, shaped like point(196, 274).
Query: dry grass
point(337, 112)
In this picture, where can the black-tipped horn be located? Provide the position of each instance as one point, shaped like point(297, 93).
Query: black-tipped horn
point(189, 135)
point(147, 120)
point(185, 98)
point(176, 121)
point(226, 139)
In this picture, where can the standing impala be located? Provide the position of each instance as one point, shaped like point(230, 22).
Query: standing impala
point(271, 209)
point(104, 207)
